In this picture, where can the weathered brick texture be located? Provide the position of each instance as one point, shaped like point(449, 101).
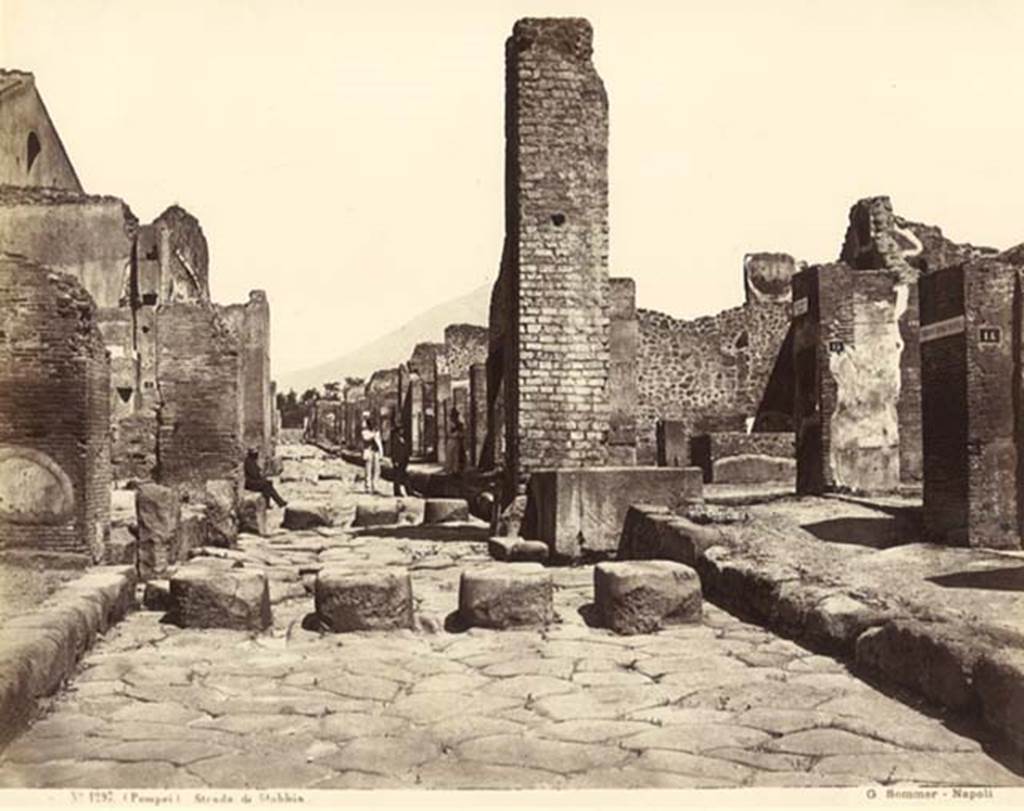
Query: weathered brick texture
point(54, 414)
point(971, 396)
point(200, 421)
point(251, 324)
point(556, 343)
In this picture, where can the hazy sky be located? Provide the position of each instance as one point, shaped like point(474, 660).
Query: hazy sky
point(347, 156)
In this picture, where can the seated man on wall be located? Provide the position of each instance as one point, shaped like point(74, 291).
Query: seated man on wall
point(256, 482)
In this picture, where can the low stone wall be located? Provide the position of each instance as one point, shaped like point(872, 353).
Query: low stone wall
point(734, 457)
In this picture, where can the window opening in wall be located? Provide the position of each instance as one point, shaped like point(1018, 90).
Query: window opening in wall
point(145, 330)
point(125, 393)
point(742, 340)
point(558, 219)
point(149, 298)
point(32, 150)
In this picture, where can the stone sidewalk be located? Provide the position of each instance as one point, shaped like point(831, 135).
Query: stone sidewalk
point(718, 704)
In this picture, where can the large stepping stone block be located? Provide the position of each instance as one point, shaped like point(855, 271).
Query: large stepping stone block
point(363, 600)
point(221, 500)
point(506, 595)
point(439, 510)
point(252, 514)
point(158, 514)
point(638, 597)
point(204, 597)
point(307, 515)
point(516, 550)
point(579, 512)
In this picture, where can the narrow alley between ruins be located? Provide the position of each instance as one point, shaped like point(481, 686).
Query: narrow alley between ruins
point(717, 703)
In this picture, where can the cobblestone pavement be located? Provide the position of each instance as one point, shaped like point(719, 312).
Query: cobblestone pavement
point(719, 704)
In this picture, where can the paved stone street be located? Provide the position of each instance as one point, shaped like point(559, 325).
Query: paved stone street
point(718, 704)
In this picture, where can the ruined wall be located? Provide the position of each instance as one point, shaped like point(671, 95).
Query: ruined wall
point(709, 373)
point(728, 456)
point(766, 277)
point(183, 255)
point(382, 394)
point(971, 402)
point(89, 237)
point(556, 355)
point(200, 423)
point(251, 323)
point(464, 345)
point(31, 152)
point(477, 422)
point(623, 391)
point(54, 414)
point(424, 362)
point(849, 349)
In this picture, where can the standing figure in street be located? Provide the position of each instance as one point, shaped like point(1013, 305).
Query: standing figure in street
point(399, 459)
point(457, 444)
point(256, 482)
point(373, 449)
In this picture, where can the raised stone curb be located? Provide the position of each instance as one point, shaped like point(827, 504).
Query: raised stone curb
point(440, 510)
point(516, 550)
point(955, 668)
point(506, 595)
point(639, 597)
point(204, 597)
point(348, 600)
point(38, 651)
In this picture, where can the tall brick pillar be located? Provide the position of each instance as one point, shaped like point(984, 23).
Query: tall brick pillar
point(556, 348)
point(477, 418)
point(971, 405)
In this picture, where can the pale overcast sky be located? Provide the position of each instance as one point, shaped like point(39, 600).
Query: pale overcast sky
point(347, 156)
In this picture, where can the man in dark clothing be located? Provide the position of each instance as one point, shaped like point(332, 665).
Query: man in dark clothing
point(256, 482)
point(399, 459)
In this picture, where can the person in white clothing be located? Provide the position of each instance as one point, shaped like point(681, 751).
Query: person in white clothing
point(373, 449)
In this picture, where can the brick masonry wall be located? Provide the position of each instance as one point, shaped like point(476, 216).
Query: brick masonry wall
point(477, 424)
point(623, 392)
point(200, 424)
point(251, 324)
point(709, 373)
point(557, 350)
point(971, 404)
point(54, 414)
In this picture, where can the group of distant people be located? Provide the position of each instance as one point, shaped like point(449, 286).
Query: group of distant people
point(373, 450)
point(257, 481)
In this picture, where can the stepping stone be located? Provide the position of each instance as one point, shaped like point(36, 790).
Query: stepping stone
point(638, 597)
point(122, 547)
point(192, 529)
point(353, 600)
point(517, 550)
point(439, 510)
point(158, 513)
point(157, 595)
point(306, 515)
point(506, 595)
point(252, 514)
point(377, 512)
point(203, 597)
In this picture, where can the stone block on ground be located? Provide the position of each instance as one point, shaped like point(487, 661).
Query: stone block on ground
point(203, 597)
point(191, 530)
point(753, 468)
point(157, 595)
point(506, 595)
point(439, 510)
point(508, 522)
point(516, 550)
point(252, 514)
point(638, 597)
point(378, 511)
point(307, 515)
point(366, 600)
point(999, 684)
point(122, 546)
point(221, 499)
point(580, 512)
point(158, 514)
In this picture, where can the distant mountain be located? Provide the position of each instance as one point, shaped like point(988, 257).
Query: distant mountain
point(395, 347)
